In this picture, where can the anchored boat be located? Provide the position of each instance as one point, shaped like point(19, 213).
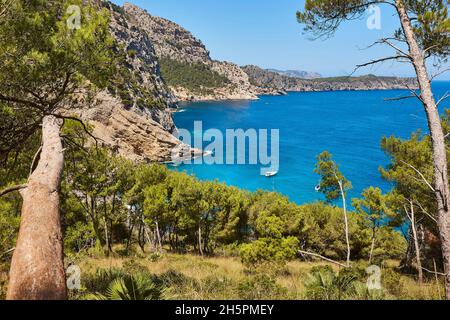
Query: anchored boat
point(269, 174)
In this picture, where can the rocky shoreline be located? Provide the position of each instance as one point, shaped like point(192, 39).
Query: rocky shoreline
point(268, 82)
point(135, 118)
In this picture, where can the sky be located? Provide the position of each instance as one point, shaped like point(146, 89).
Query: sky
point(266, 33)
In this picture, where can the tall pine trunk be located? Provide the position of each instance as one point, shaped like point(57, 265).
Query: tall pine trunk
point(372, 246)
point(37, 267)
point(441, 184)
point(416, 245)
point(347, 236)
point(200, 240)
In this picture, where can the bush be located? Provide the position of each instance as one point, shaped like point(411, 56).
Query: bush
point(325, 284)
point(214, 287)
point(173, 278)
point(133, 282)
point(132, 267)
point(269, 250)
point(154, 257)
point(392, 282)
point(78, 237)
point(130, 287)
point(349, 284)
point(179, 286)
point(101, 279)
point(261, 287)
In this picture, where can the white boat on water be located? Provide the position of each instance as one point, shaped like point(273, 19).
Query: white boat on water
point(269, 174)
point(175, 164)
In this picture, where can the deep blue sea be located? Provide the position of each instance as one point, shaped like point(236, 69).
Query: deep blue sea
point(349, 124)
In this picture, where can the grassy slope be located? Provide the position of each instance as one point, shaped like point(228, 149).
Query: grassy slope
point(226, 278)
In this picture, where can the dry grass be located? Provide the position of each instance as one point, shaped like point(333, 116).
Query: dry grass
point(219, 277)
point(226, 278)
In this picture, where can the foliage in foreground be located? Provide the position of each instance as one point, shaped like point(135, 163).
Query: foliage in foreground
point(138, 286)
point(182, 277)
point(107, 200)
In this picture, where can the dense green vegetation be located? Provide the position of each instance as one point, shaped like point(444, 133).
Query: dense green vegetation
point(181, 276)
point(113, 207)
point(110, 200)
point(423, 35)
point(127, 82)
point(123, 220)
point(196, 77)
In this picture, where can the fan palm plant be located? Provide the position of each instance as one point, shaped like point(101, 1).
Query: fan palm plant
point(326, 285)
point(133, 287)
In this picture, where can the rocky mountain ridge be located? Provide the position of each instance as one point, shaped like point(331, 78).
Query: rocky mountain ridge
point(134, 116)
point(268, 82)
point(175, 43)
point(161, 63)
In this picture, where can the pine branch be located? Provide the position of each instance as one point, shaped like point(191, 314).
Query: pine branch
point(12, 189)
point(323, 258)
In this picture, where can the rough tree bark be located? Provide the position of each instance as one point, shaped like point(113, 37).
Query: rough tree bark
point(412, 217)
point(372, 246)
point(200, 240)
point(347, 237)
point(441, 183)
point(159, 236)
point(37, 267)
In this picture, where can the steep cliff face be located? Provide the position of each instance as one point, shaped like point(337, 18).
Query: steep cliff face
point(142, 88)
point(134, 116)
point(160, 63)
point(128, 133)
point(268, 82)
point(181, 53)
point(168, 38)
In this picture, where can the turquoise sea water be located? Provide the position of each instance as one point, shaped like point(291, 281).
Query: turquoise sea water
point(349, 124)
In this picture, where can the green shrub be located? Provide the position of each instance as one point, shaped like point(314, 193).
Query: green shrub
point(172, 278)
point(154, 257)
point(349, 284)
point(179, 286)
point(325, 284)
point(79, 236)
point(101, 279)
point(261, 287)
point(392, 282)
point(132, 266)
point(362, 292)
point(214, 287)
point(269, 250)
point(130, 287)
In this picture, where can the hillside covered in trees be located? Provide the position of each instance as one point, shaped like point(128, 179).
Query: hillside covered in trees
point(113, 208)
point(85, 122)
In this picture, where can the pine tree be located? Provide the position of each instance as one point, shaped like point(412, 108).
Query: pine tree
point(46, 60)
